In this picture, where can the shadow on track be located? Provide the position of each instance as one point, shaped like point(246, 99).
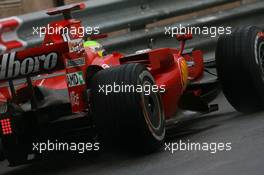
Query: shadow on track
point(63, 162)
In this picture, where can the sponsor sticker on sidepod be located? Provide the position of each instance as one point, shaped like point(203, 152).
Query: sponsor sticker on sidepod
point(75, 79)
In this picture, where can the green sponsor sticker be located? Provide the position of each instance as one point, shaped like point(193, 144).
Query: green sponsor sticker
point(75, 79)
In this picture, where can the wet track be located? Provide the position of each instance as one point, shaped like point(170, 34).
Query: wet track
point(245, 132)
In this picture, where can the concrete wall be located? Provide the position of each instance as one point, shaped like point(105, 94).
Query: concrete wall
point(10, 7)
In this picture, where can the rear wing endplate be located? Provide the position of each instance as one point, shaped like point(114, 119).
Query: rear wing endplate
point(32, 61)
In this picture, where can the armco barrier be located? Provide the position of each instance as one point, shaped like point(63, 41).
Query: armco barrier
point(248, 14)
point(110, 16)
point(133, 16)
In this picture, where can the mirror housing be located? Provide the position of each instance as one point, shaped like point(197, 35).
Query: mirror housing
point(184, 37)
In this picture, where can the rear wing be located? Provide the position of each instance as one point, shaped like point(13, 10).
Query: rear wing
point(46, 58)
point(32, 61)
point(63, 51)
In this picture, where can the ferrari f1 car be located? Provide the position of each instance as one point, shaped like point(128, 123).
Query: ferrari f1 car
point(67, 88)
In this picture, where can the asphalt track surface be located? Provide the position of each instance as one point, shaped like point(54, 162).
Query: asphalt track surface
point(245, 132)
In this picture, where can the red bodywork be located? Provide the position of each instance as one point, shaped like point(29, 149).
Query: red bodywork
point(59, 52)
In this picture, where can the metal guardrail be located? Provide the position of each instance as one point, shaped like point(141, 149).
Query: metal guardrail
point(110, 16)
point(132, 17)
point(246, 14)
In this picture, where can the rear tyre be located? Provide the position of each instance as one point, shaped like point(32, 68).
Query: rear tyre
point(131, 119)
point(14, 150)
point(2, 157)
point(240, 68)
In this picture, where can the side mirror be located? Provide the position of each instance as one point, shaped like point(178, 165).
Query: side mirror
point(184, 37)
point(99, 36)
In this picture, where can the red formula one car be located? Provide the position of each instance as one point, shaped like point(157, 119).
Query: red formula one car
point(68, 89)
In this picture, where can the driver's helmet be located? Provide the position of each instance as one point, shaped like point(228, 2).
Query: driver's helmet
point(95, 46)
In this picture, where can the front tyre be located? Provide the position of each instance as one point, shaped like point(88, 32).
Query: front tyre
point(240, 68)
point(127, 117)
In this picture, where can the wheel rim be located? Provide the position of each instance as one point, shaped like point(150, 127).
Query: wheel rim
point(152, 108)
point(261, 57)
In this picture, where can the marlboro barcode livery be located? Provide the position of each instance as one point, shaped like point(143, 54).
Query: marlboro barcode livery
point(24, 63)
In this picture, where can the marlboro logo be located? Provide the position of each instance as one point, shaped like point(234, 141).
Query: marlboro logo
point(11, 67)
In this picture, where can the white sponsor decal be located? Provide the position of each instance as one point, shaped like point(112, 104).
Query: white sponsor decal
point(12, 67)
point(105, 66)
point(75, 62)
point(3, 108)
point(76, 45)
point(74, 97)
point(75, 79)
